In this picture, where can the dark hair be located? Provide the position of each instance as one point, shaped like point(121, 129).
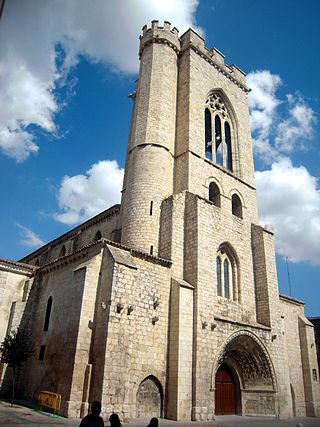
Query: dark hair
point(154, 422)
point(114, 420)
point(96, 407)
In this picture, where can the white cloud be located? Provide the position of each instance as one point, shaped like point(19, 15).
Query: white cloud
point(263, 103)
point(262, 97)
point(83, 196)
point(104, 32)
point(17, 144)
point(29, 238)
point(288, 197)
point(276, 134)
point(293, 131)
point(289, 202)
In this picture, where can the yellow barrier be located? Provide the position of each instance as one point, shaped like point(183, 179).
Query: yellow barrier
point(50, 400)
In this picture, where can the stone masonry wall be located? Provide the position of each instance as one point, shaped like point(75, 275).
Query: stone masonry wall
point(136, 343)
point(291, 313)
point(107, 224)
point(309, 367)
point(72, 285)
point(180, 360)
point(11, 290)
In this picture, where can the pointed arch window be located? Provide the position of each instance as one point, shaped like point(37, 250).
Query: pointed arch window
point(227, 271)
point(218, 123)
point(214, 194)
point(48, 314)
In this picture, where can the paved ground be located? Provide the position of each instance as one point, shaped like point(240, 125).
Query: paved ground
point(23, 416)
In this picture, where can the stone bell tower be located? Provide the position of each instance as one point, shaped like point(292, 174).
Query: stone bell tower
point(181, 89)
point(150, 154)
point(189, 197)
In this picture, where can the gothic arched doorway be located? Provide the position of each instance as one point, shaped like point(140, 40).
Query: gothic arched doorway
point(243, 377)
point(225, 391)
point(149, 398)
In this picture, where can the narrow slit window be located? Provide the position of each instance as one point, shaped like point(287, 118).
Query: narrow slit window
point(208, 134)
point(151, 208)
point(219, 287)
point(48, 314)
point(226, 279)
point(25, 291)
point(151, 250)
point(42, 352)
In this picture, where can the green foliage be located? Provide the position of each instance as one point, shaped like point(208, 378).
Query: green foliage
point(16, 348)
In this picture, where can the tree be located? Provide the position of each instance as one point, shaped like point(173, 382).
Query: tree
point(16, 348)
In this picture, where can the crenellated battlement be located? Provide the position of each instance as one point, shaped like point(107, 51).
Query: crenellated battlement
point(158, 34)
point(190, 40)
point(155, 26)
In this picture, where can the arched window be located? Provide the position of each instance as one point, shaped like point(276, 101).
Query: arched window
point(48, 313)
point(227, 271)
point(98, 236)
point(236, 206)
point(214, 194)
point(218, 123)
point(25, 290)
point(219, 287)
point(208, 134)
point(63, 251)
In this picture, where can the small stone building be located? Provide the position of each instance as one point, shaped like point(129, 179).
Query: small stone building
point(168, 304)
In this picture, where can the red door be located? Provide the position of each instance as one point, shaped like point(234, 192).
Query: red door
point(225, 393)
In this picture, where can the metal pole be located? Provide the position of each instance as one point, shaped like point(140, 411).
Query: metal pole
point(2, 2)
point(288, 273)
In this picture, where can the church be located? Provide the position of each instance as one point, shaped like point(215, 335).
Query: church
point(168, 305)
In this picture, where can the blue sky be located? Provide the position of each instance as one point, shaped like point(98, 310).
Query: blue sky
point(66, 69)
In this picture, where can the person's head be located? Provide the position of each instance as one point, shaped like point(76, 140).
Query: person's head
point(114, 420)
point(154, 422)
point(96, 407)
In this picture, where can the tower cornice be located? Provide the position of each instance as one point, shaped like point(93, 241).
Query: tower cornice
point(225, 69)
point(191, 40)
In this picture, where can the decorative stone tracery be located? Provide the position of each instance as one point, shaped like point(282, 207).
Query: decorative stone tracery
point(215, 104)
point(219, 132)
point(244, 350)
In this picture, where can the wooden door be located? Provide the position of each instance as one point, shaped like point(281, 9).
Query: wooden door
point(225, 393)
